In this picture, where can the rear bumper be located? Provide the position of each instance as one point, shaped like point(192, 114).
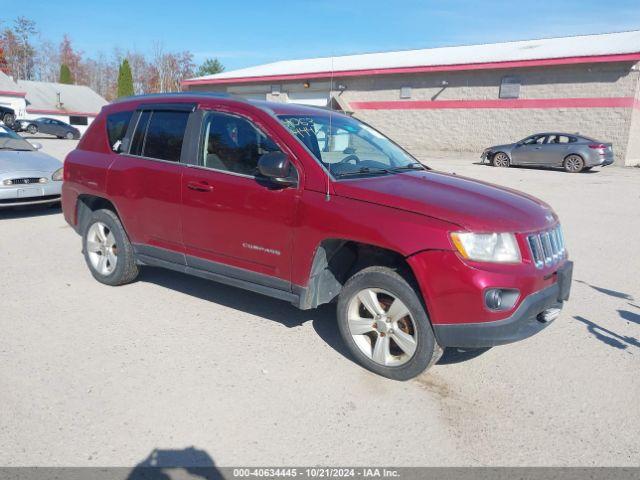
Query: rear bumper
point(525, 321)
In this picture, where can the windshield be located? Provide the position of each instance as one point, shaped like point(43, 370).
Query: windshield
point(10, 140)
point(348, 147)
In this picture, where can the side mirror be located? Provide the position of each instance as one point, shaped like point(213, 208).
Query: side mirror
point(36, 145)
point(276, 167)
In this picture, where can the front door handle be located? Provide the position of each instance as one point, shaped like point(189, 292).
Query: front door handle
point(200, 186)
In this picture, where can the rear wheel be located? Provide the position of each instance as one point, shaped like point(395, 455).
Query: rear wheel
point(32, 129)
point(501, 159)
point(107, 250)
point(384, 324)
point(8, 119)
point(69, 136)
point(573, 164)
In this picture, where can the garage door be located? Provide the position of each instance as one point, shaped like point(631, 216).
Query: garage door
point(317, 99)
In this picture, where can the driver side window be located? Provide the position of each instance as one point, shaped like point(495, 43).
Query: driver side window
point(233, 144)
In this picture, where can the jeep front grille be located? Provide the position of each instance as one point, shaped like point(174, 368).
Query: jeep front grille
point(547, 247)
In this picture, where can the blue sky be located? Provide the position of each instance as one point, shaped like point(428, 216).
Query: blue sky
point(247, 32)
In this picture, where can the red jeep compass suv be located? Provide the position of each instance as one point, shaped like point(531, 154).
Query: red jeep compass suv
point(312, 206)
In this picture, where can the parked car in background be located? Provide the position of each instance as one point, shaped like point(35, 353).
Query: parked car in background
point(312, 206)
point(7, 115)
point(27, 177)
point(575, 153)
point(49, 126)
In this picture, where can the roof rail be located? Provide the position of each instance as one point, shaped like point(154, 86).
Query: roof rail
point(176, 95)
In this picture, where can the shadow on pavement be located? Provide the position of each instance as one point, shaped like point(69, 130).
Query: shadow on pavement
point(458, 355)
point(606, 291)
point(629, 316)
point(29, 211)
point(608, 337)
point(323, 318)
point(172, 464)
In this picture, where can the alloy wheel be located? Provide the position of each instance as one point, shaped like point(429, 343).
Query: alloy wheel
point(573, 163)
point(382, 327)
point(102, 249)
point(501, 160)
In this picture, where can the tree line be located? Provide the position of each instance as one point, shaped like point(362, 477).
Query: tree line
point(25, 55)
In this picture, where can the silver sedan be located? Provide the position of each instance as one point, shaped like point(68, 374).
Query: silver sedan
point(27, 177)
point(572, 152)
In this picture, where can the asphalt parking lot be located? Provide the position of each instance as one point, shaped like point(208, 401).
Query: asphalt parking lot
point(95, 375)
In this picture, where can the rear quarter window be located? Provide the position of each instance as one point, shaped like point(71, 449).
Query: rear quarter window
point(117, 124)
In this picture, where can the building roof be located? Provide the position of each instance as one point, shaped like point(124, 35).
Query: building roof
point(622, 46)
point(42, 97)
point(8, 87)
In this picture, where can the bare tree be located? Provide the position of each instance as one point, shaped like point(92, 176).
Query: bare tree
point(24, 29)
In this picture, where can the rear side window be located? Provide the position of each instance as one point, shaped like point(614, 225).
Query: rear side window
point(117, 124)
point(159, 134)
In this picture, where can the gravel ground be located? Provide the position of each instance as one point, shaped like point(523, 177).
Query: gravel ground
point(94, 375)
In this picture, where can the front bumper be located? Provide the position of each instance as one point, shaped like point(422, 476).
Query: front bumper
point(526, 320)
point(34, 194)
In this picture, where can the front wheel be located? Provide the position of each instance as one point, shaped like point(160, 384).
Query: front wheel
point(384, 324)
point(501, 159)
point(107, 250)
point(32, 129)
point(69, 136)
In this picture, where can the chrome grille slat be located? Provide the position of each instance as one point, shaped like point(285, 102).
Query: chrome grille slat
point(547, 247)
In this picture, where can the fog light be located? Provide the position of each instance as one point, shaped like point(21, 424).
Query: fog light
point(493, 299)
point(501, 298)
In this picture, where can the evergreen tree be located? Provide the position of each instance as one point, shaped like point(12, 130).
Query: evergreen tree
point(125, 80)
point(65, 75)
point(210, 66)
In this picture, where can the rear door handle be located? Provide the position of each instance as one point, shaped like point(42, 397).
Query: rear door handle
point(200, 186)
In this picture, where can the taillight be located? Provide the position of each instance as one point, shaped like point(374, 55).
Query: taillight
point(597, 146)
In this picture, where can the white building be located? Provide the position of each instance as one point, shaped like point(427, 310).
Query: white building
point(77, 105)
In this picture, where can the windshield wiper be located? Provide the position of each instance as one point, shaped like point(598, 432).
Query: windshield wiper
point(411, 166)
point(363, 170)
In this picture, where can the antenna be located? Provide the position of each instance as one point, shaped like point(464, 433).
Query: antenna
point(328, 194)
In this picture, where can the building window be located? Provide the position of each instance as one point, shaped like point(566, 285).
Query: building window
point(78, 120)
point(405, 92)
point(510, 87)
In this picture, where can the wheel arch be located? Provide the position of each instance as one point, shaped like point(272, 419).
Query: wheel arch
point(87, 203)
point(336, 260)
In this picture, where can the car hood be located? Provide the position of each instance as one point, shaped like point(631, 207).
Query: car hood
point(505, 147)
point(469, 203)
point(24, 161)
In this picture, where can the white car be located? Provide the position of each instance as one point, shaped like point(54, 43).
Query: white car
point(27, 176)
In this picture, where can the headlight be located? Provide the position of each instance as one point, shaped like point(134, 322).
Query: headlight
point(57, 175)
point(487, 247)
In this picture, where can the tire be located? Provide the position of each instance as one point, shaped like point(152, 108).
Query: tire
point(392, 361)
point(32, 129)
point(573, 163)
point(501, 159)
point(8, 119)
point(69, 136)
point(106, 224)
